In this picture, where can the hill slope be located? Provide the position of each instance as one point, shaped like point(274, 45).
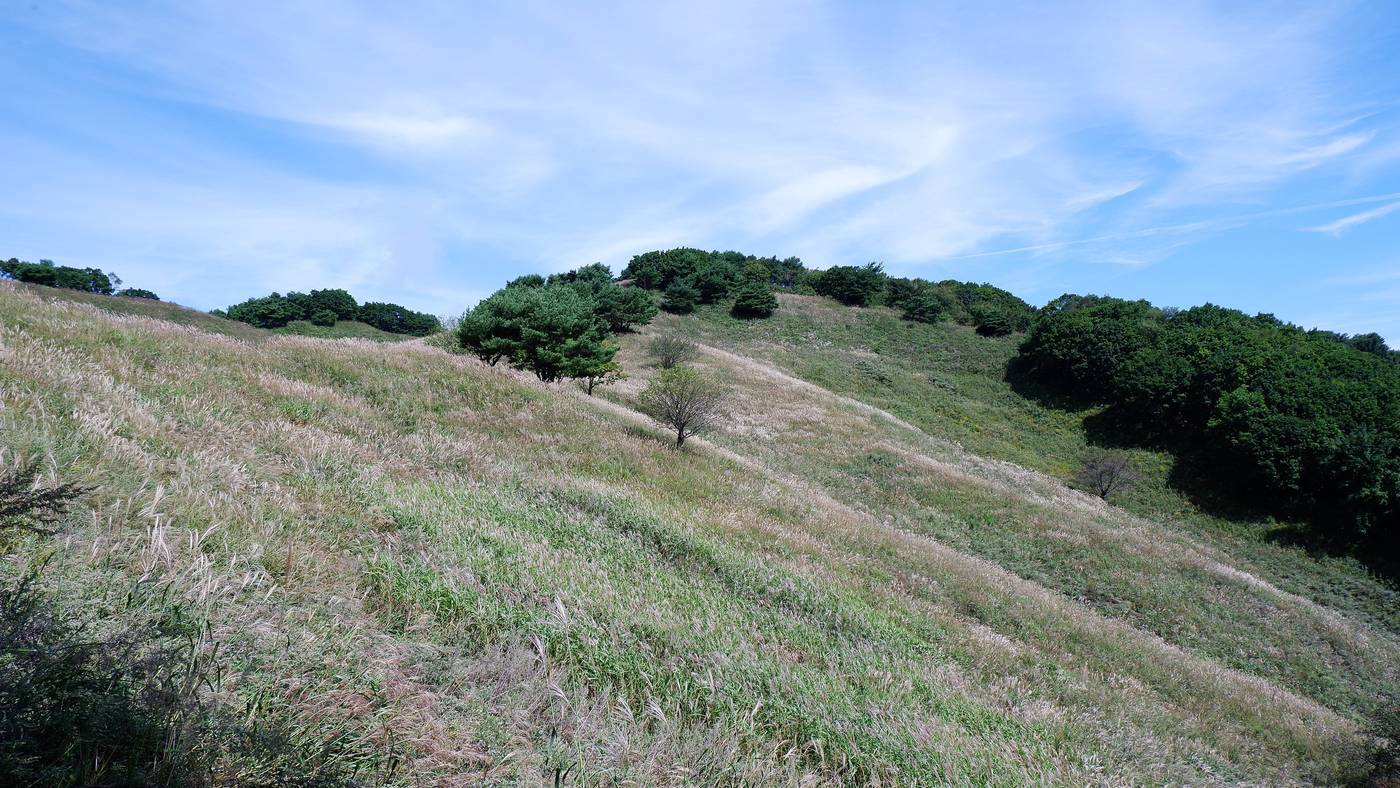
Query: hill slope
point(416, 567)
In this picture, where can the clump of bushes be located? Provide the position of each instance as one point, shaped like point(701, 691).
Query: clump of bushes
point(137, 292)
point(47, 273)
point(1297, 423)
point(670, 350)
point(319, 306)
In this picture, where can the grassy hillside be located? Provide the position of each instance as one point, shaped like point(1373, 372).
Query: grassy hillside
point(343, 329)
point(402, 566)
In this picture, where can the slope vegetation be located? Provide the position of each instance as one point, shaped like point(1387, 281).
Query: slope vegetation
point(418, 569)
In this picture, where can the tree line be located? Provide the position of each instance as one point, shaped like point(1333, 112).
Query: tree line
point(88, 280)
point(689, 277)
point(1294, 422)
point(326, 308)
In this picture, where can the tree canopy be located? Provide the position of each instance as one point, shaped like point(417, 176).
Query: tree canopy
point(325, 307)
point(1299, 423)
point(45, 272)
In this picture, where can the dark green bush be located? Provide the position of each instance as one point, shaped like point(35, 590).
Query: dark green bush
point(680, 298)
point(136, 292)
point(852, 285)
point(754, 299)
point(1293, 422)
point(323, 317)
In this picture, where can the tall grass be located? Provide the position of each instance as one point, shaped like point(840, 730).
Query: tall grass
point(412, 569)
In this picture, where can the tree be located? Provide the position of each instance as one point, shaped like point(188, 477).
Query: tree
point(323, 317)
point(136, 292)
point(551, 331)
point(852, 285)
point(397, 319)
point(754, 299)
point(672, 349)
point(712, 281)
point(621, 308)
point(528, 280)
point(45, 272)
point(338, 302)
point(925, 306)
point(1106, 472)
point(683, 399)
point(602, 374)
point(991, 321)
point(273, 311)
point(680, 298)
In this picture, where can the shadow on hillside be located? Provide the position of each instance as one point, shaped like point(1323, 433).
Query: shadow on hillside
point(1208, 491)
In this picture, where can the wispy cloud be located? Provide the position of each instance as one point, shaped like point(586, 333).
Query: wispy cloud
point(1347, 222)
point(357, 141)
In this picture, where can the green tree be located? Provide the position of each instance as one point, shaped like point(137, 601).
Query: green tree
point(551, 331)
point(852, 285)
point(754, 299)
point(623, 308)
point(924, 306)
point(339, 302)
point(681, 298)
point(323, 317)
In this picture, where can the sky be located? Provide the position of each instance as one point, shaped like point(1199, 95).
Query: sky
point(1245, 154)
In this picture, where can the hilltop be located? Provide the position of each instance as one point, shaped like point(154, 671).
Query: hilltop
point(399, 564)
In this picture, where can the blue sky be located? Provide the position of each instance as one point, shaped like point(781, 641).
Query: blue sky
point(1245, 154)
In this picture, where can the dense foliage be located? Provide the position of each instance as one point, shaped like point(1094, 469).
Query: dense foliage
point(137, 292)
point(557, 328)
point(989, 309)
point(690, 277)
point(1301, 423)
point(852, 285)
point(325, 307)
point(45, 272)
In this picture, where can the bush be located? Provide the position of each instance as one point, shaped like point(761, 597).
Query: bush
point(397, 319)
point(1105, 473)
point(925, 306)
point(992, 322)
point(754, 300)
point(26, 506)
point(323, 317)
point(670, 350)
point(680, 299)
point(136, 292)
point(852, 285)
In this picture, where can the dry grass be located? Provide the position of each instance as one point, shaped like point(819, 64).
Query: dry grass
point(432, 572)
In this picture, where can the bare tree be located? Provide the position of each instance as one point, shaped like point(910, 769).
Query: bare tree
point(684, 400)
point(1106, 472)
point(672, 349)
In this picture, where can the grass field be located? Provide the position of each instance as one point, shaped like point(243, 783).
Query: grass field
point(420, 570)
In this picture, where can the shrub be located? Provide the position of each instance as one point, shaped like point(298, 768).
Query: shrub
point(992, 322)
point(323, 317)
point(670, 350)
point(754, 299)
point(681, 298)
point(29, 507)
point(1105, 473)
point(136, 292)
point(925, 306)
point(852, 285)
point(683, 399)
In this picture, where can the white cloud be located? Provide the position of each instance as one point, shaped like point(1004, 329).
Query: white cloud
point(1347, 222)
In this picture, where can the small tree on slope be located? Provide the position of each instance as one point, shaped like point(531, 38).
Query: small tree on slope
point(685, 400)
